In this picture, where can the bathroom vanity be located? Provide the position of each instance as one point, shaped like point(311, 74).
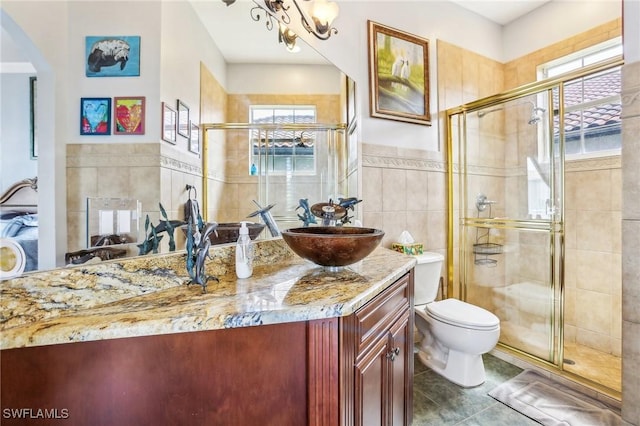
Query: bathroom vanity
point(129, 343)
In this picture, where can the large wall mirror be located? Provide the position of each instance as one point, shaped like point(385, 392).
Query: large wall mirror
point(248, 47)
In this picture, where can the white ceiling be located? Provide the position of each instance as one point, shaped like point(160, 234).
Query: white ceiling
point(243, 40)
point(501, 11)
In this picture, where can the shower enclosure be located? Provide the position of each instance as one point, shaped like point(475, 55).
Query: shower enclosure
point(514, 236)
point(249, 167)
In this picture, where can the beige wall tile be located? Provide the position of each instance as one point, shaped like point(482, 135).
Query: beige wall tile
point(615, 186)
point(631, 271)
point(593, 190)
point(436, 230)
point(631, 91)
point(113, 182)
point(393, 223)
point(594, 230)
point(394, 190)
point(420, 227)
point(372, 189)
point(593, 311)
point(631, 371)
point(416, 190)
point(77, 240)
point(150, 193)
point(631, 171)
point(594, 270)
point(82, 182)
point(436, 191)
point(373, 220)
point(595, 340)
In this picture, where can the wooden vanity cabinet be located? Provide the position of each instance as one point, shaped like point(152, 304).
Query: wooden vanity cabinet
point(354, 370)
point(377, 384)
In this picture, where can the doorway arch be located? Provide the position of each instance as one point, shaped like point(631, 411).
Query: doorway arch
point(51, 154)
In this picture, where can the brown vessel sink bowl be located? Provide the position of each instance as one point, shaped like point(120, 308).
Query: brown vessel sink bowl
point(332, 246)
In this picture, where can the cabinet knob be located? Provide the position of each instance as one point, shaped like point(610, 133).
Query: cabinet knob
point(393, 353)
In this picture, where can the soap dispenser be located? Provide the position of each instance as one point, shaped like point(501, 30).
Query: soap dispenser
point(244, 253)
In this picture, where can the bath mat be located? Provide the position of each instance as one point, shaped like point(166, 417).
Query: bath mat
point(552, 403)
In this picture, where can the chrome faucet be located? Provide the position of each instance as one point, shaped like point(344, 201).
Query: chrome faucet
point(267, 218)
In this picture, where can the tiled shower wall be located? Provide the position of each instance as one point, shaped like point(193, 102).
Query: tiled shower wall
point(631, 242)
point(243, 187)
point(149, 172)
point(593, 208)
point(593, 290)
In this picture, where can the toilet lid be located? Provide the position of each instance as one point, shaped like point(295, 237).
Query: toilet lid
point(455, 311)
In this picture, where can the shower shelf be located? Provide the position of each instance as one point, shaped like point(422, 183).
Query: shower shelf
point(483, 248)
point(486, 262)
point(487, 248)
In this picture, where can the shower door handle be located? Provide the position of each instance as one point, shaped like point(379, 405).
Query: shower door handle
point(551, 209)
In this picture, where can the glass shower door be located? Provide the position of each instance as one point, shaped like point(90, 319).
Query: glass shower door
point(510, 226)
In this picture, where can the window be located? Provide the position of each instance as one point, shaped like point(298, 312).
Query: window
point(592, 104)
point(282, 151)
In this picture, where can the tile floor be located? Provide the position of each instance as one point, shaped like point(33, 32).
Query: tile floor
point(439, 402)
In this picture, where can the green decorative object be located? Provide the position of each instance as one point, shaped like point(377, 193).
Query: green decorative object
point(198, 244)
point(152, 241)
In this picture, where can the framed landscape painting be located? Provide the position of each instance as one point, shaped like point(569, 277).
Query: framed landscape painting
point(398, 75)
point(128, 115)
point(95, 116)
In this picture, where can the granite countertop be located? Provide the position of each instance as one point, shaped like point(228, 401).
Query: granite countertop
point(150, 295)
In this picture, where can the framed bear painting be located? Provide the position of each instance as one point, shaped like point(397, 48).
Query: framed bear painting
point(112, 56)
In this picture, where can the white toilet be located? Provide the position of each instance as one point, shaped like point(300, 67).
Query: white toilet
point(455, 333)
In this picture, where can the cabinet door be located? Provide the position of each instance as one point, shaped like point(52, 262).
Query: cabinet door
point(371, 391)
point(400, 358)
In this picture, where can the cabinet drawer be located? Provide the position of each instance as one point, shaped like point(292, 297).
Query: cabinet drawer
point(375, 318)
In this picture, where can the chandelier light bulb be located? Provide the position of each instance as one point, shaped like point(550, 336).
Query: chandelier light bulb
point(323, 13)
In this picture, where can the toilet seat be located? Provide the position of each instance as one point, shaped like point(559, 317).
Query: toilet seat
point(462, 314)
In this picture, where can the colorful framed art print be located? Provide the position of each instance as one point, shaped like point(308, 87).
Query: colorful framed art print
point(129, 115)
point(95, 116)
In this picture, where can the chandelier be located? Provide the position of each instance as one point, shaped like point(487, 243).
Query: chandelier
point(319, 23)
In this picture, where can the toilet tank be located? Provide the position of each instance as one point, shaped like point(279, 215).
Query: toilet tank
point(427, 277)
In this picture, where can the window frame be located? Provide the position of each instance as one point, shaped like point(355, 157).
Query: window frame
point(253, 159)
point(588, 56)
